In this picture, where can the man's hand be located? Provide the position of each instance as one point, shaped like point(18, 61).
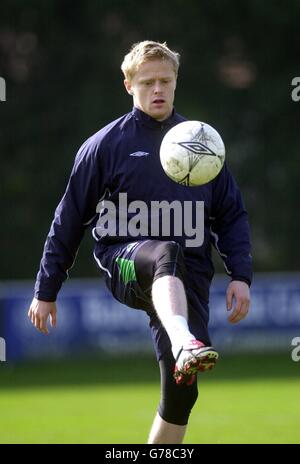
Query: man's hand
point(238, 291)
point(39, 312)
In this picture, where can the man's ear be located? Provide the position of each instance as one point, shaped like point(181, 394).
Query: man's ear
point(128, 86)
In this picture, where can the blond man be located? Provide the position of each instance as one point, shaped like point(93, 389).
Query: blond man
point(151, 271)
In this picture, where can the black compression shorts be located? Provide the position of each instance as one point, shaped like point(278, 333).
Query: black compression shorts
point(131, 270)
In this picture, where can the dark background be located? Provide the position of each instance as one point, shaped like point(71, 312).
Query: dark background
point(61, 62)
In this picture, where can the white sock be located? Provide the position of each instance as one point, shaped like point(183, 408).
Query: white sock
point(179, 333)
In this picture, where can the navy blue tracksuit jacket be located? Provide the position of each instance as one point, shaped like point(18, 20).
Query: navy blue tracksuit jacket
point(123, 157)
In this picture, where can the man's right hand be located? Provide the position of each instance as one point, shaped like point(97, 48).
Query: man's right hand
point(39, 312)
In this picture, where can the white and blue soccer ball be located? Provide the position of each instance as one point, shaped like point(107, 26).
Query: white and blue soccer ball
point(192, 153)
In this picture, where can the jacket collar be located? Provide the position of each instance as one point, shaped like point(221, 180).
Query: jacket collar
point(146, 120)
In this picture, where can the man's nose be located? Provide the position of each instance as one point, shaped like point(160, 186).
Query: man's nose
point(157, 88)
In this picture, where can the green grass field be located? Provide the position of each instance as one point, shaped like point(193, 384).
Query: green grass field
point(252, 399)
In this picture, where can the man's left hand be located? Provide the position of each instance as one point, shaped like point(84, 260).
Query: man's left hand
point(237, 300)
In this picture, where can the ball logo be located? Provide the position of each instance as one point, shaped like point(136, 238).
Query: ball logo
point(197, 147)
point(2, 349)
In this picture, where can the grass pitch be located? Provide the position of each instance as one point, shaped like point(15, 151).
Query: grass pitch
point(249, 399)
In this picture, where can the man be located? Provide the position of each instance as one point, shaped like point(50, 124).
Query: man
point(153, 272)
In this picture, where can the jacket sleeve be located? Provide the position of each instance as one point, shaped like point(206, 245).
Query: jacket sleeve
point(74, 213)
point(230, 232)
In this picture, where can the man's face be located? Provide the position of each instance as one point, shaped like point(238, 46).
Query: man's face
point(153, 88)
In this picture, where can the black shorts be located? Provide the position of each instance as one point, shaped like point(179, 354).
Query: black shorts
point(131, 268)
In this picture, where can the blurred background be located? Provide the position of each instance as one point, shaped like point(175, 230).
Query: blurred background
point(61, 61)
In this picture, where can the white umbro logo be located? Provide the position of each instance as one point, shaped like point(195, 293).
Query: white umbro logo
point(138, 154)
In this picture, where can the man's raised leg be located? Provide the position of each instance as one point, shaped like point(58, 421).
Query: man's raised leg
point(191, 355)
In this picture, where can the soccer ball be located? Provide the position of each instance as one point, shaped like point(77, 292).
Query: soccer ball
point(192, 153)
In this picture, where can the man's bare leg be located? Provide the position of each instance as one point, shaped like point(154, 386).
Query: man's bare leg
point(170, 303)
point(165, 433)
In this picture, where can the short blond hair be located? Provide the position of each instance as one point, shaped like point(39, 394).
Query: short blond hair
point(145, 51)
